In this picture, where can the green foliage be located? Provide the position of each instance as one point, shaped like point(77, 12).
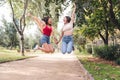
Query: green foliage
point(89, 32)
point(2, 36)
point(98, 9)
point(79, 40)
point(10, 55)
point(118, 61)
point(39, 8)
point(43, 8)
point(108, 52)
point(30, 42)
point(89, 49)
point(8, 35)
point(99, 70)
point(79, 48)
point(96, 16)
point(80, 11)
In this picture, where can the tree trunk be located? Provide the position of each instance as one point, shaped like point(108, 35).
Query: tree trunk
point(11, 46)
point(106, 25)
point(92, 47)
point(106, 32)
point(104, 40)
point(112, 15)
point(20, 28)
point(22, 45)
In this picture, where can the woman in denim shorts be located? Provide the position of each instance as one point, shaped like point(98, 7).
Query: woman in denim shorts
point(46, 28)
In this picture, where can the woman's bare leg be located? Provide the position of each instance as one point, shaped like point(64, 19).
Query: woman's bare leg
point(51, 48)
point(45, 48)
point(48, 48)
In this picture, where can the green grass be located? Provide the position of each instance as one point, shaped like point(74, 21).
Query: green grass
point(100, 71)
point(10, 55)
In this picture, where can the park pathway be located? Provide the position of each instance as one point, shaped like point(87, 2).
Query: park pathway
point(45, 67)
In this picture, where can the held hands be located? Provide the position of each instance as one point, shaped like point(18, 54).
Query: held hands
point(56, 41)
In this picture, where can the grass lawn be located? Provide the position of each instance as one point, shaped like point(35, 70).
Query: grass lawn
point(100, 69)
point(10, 55)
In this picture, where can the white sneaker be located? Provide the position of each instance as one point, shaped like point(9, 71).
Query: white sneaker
point(36, 48)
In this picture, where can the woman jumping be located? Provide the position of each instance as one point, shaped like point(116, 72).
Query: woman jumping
point(46, 28)
point(67, 32)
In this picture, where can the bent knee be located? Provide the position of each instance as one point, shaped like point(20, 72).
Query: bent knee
point(69, 51)
point(63, 51)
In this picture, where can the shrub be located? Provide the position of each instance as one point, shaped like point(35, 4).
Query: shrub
point(118, 61)
point(108, 52)
point(89, 49)
point(79, 48)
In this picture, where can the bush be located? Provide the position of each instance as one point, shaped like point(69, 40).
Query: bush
point(108, 52)
point(89, 49)
point(118, 61)
point(79, 48)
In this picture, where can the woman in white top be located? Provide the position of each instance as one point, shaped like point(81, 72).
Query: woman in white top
point(67, 32)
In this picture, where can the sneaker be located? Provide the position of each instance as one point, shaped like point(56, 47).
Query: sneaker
point(36, 48)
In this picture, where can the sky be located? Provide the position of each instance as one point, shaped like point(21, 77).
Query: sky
point(5, 12)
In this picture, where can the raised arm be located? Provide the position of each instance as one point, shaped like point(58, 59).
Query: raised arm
point(39, 22)
point(73, 13)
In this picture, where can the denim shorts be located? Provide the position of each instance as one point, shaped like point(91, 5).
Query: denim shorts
point(67, 44)
point(45, 39)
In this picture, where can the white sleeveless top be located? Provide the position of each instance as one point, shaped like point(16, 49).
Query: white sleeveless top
point(68, 29)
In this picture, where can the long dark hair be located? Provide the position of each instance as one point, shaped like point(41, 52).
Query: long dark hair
point(45, 19)
point(68, 18)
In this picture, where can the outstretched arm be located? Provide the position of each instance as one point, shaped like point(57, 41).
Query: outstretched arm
point(39, 22)
point(53, 35)
point(60, 37)
point(73, 13)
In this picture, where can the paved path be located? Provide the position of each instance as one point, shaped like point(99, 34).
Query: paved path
point(45, 67)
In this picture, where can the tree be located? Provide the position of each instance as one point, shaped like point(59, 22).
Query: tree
point(43, 8)
point(97, 21)
point(22, 23)
point(86, 7)
point(10, 34)
point(2, 36)
point(38, 7)
point(79, 39)
point(114, 15)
